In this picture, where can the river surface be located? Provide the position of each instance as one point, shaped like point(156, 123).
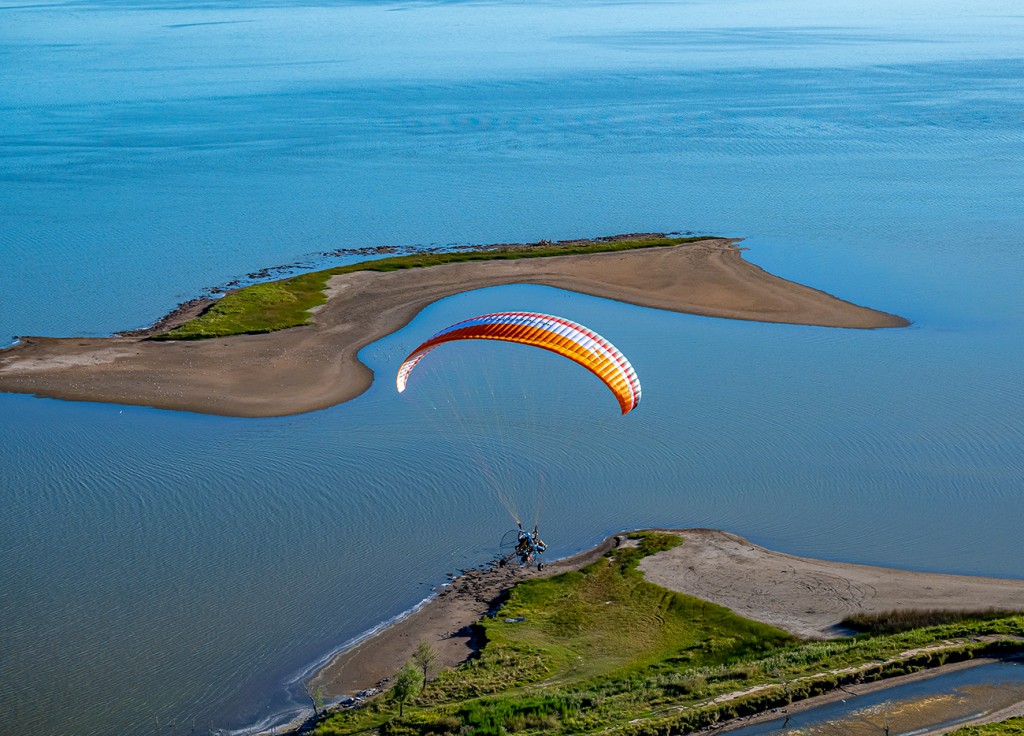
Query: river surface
point(162, 572)
point(912, 708)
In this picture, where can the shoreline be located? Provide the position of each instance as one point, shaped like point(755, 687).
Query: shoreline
point(192, 308)
point(418, 620)
point(178, 316)
point(445, 619)
point(817, 596)
point(316, 366)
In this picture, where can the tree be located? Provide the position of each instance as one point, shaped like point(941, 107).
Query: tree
point(424, 656)
point(316, 696)
point(406, 682)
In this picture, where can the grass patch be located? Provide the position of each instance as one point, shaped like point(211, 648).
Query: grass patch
point(602, 649)
point(607, 616)
point(268, 307)
point(892, 622)
point(278, 305)
point(1010, 727)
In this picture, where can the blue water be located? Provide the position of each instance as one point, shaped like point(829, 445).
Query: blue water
point(898, 707)
point(185, 568)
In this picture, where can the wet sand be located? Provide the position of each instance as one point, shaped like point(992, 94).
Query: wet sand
point(313, 367)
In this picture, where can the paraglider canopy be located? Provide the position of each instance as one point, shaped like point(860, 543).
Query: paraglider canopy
point(557, 334)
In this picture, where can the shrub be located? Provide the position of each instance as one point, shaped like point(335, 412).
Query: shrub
point(896, 621)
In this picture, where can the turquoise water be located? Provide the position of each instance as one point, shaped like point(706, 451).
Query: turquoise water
point(186, 569)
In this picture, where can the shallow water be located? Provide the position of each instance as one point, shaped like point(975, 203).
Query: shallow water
point(185, 568)
point(920, 707)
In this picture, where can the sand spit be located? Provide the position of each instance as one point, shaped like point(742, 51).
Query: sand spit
point(804, 596)
point(313, 367)
point(810, 597)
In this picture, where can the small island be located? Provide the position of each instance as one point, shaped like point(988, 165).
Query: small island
point(290, 346)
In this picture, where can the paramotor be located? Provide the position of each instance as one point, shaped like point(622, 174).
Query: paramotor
point(559, 335)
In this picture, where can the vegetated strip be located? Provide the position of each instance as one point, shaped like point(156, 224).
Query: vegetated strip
point(1009, 727)
point(603, 650)
point(278, 305)
point(892, 622)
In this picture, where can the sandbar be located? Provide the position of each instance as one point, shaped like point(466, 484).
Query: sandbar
point(313, 367)
point(809, 597)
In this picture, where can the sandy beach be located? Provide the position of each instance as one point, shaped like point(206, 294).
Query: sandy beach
point(313, 367)
point(804, 596)
point(809, 597)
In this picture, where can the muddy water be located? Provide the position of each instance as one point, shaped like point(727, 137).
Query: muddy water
point(922, 707)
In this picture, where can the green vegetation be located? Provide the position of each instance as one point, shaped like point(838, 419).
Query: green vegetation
point(406, 683)
point(602, 649)
point(278, 305)
point(1011, 727)
point(259, 308)
point(423, 658)
point(892, 622)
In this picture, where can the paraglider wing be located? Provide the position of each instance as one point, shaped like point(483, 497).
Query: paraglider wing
point(559, 335)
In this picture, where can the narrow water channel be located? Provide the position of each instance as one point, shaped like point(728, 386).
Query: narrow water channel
point(919, 707)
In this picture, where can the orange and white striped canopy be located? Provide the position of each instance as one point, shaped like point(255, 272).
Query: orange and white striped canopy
point(559, 335)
